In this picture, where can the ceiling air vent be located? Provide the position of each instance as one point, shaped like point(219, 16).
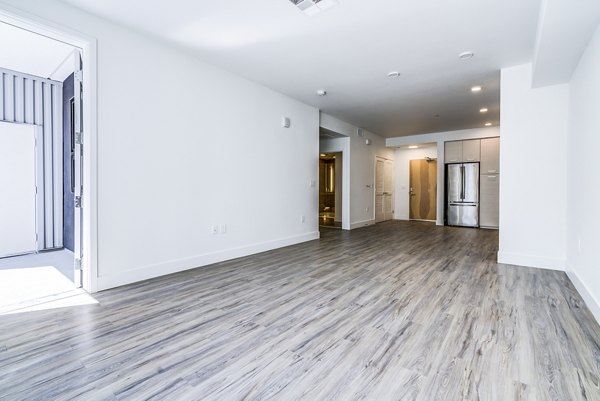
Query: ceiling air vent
point(312, 7)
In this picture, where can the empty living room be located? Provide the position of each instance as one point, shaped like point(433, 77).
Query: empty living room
point(300, 200)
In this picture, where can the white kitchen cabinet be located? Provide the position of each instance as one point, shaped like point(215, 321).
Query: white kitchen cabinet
point(453, 152)
point(490, 156)
point(489, 201)
point(471, 150)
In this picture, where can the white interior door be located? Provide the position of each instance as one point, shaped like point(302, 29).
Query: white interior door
point(388, 190)
point(78, 169)
point(17, 189)
point(379, 189)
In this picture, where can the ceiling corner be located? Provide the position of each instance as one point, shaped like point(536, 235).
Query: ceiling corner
point(564, 30)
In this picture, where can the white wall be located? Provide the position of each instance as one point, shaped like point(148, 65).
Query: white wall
point(402, 176)
point(182, 146)
point(361, 160)
point(583, 195)
point(533, 163)
point(440, 138)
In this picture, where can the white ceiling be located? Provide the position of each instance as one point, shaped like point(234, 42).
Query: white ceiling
point(564, 31)
point(33, 54)
point(349, 49)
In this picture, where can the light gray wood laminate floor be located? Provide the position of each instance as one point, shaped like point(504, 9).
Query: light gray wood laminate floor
point(396, 311)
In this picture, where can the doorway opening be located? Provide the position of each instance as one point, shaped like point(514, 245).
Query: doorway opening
point(423, 189)
point(330, 189)
point(41, 135)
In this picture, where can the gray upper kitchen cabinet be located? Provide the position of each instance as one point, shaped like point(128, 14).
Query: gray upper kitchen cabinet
point(453, 152)
point(489, 201)
point(462, 151)
point(490, 156)
point(471, 150)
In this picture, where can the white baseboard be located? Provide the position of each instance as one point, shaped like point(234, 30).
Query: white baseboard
point(540, 262)
point(174, 266)
point(583, 290)
point(360, 224)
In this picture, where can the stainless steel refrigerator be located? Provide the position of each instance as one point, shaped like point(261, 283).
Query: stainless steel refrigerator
point(462, 189)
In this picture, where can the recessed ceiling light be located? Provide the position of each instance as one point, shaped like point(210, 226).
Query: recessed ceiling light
point(394, 74)
point(413, 147)
point(322, 92)
point(476, 88)
point(466, 55)
point(483, 110)
point(488, 124)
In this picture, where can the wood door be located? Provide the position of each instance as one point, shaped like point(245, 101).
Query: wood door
point(423, 189)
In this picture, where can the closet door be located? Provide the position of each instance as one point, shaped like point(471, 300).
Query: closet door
point(18, 194)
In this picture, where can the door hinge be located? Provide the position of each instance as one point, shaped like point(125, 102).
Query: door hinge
point(77, 264)
point(78, 201)
point(78, 75)
point(79, 138)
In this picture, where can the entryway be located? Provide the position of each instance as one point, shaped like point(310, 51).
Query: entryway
point(330, 189)
point(41, 166)
point(423, 189)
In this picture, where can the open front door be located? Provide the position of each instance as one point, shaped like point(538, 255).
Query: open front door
point(78, 169)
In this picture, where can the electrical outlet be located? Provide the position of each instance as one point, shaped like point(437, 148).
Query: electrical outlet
point(367, 209)
point(302, 219)
point(215, 230)
point(223, 228)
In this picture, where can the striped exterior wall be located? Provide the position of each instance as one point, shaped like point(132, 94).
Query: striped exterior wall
point(27, 99)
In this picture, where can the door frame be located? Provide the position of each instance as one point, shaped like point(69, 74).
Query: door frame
point(343, 147)
point(88, 47)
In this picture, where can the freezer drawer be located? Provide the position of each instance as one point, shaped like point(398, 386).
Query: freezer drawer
point(464, 215)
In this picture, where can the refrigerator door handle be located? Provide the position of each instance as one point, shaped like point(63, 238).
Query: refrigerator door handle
point(462, 181)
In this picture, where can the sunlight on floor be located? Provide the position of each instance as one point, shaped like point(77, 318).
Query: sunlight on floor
point(38, 288)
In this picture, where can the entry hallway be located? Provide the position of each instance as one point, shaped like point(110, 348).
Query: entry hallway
point(396, 311)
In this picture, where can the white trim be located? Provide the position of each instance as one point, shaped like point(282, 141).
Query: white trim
point(539, 262)
point(590, 300)
point(88, 45)
point(363, 223)
point(178, 265)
